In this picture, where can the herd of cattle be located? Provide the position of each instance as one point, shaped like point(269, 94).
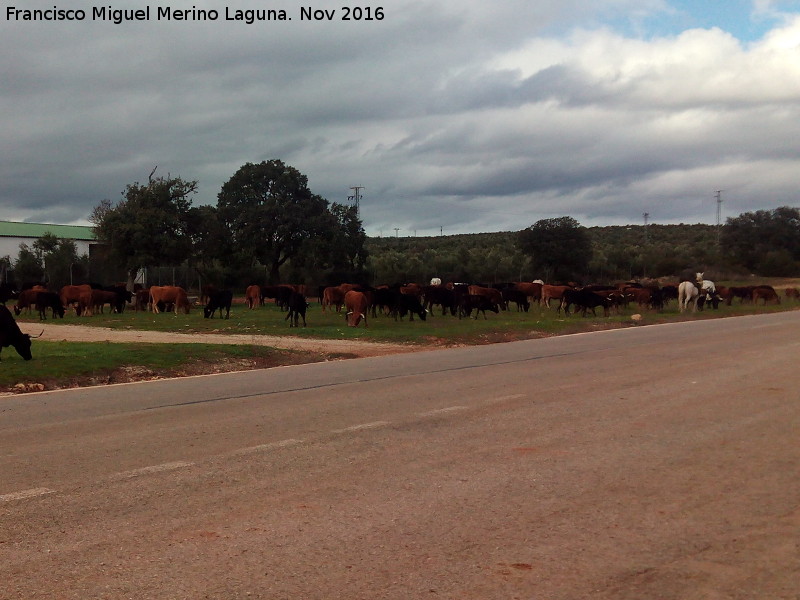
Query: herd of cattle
point(464, 300)
point(360, 301)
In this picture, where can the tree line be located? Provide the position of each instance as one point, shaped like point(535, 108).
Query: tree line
point(269, 227)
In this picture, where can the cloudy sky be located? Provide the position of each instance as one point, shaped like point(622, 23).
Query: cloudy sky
point(455, 116)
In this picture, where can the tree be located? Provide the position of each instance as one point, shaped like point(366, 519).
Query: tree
point(348, 238)
point(28, 266)
point(270, 213)
point(50, 260)
point(753, 238)
point(148, 227)
point(209, 237)
point(559, 248)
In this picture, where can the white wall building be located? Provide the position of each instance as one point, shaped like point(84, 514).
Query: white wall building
point(13, 234)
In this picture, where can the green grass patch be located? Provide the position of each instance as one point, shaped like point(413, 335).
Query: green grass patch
point(71, 364)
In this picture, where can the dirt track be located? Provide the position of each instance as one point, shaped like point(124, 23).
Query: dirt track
point(82, 333)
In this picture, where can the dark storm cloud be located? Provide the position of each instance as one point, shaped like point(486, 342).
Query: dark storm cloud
point(455, 116)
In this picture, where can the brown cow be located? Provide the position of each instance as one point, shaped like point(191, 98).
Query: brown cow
point(642, 296)
point(492, 295)
point(27, 298)
point(792, 293)
point(357, 305)
point(531, 289)
point(252, 296)
point(553, 292)
point(169, 294)
point(71, 295)
point(765, 293)
point(333, 296)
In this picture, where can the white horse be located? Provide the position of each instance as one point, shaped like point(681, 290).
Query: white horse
point(706, 286)
point(687, 293)
point(707, 289)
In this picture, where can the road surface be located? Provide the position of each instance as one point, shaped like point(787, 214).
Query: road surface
point(649, 462)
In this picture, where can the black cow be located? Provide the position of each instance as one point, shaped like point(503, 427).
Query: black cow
point(516, 296)
point(124, 296)
point(297, 308)
point(444, 297)
point(480, 304)
point(383, 299)
point(51, 300)
point(217, 300)
point(585, 299)
point(407, 304)
point(280, 293)
point(10, 335)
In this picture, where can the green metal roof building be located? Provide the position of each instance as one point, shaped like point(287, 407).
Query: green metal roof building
point(13, 234)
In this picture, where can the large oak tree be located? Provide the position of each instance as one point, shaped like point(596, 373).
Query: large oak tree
point(559, 248)
point(271, 213)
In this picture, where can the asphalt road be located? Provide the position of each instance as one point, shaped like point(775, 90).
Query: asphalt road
point(645, 463)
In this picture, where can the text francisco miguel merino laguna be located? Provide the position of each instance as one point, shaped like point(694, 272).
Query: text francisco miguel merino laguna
point(167, 13)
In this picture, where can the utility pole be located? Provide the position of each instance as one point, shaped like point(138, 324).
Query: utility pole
point(356, 198)
point(719, 214)
point(646, 216)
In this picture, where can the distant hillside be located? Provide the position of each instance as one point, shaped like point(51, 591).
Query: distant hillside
point(627, 251)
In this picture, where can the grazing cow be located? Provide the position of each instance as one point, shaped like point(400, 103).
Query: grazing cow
point(97, 299)
point(532, 290)
point(252, 296)
point(476, 302)
point(271, 292)
point(217, 300)
point(141, 300)
point(123, 297)
point(169, 294)
point(382, 299)
point(688, 294)
point(517, 296)
point(765, 293)
point(792, 293)
point(71, 295)
point(669, 292)
point(51, 300)
point(27, 298)
point(333, 296)
point(297, 308)
point(585, 299)
point(744, 293)
point(553, 292)
point(444, 297)
point(408, 304)
point(206, 291)
point(641, 295)
point(10, 335)
point(356, 305)
point(494, 296)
